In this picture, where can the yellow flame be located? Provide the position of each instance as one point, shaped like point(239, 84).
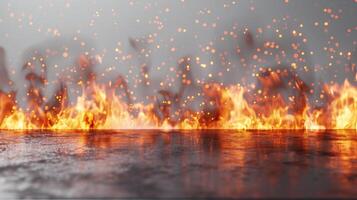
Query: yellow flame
point(110, 112)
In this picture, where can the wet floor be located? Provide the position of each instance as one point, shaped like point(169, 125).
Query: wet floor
point(178, 164)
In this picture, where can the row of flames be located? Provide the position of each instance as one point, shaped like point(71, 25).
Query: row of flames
point(224, 107)
point(100, 108)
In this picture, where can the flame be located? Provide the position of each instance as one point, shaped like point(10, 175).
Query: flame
point(102, 109)
point(343, 108)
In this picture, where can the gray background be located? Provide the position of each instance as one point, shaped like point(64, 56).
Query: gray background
point(102, 25)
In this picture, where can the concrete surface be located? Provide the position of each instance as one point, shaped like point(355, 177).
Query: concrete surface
point(178, 164)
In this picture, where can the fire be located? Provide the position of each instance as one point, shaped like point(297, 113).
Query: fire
point(278, 99)
point(102, 109)
point(343, 107)
point(236, 74)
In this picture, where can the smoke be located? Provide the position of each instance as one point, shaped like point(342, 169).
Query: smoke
point(152, 52)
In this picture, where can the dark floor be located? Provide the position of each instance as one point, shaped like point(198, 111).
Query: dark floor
point(178, 164)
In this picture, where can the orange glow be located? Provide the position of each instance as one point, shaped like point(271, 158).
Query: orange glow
point(101, 109)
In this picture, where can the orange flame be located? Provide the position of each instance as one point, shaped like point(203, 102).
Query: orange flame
point(100, 109)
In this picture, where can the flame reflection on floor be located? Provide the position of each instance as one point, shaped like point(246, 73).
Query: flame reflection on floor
point(178, 164)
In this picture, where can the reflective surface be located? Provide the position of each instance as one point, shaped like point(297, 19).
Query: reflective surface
point(178, 164)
